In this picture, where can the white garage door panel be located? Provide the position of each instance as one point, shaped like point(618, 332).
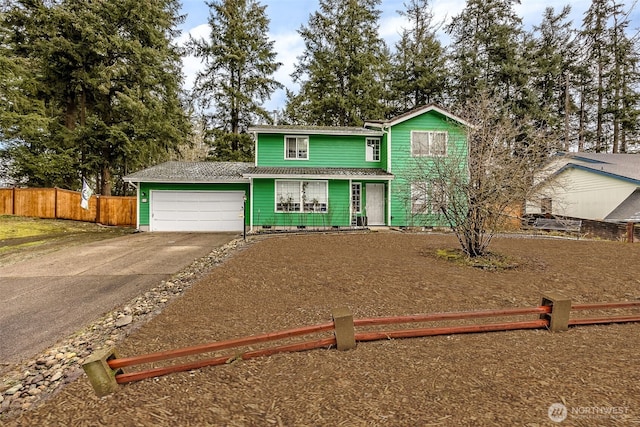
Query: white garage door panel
point(197, 211)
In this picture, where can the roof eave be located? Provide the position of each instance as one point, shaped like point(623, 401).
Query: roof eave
point(310, 131)
point(187, 181)
point(417, 112)
point(319, 176)
point(597, 172)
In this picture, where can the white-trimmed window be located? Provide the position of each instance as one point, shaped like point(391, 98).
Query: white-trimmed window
point(356, 197)
point(296, 147)
point(302, 196)
point(373, 150)
point(287, 196)
point(419, 197)
point(428, 198)
point(428, 143)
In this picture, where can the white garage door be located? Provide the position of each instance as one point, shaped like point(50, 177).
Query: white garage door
point(197, 211)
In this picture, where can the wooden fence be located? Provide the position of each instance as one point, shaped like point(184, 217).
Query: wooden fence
point(64, 204)
point(105, 368)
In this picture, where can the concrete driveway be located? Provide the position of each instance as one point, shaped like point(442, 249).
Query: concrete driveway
point(46, 299)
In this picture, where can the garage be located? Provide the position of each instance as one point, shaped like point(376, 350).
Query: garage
point(196, 210)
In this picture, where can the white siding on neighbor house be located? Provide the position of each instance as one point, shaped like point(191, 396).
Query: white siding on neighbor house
point(588, 195)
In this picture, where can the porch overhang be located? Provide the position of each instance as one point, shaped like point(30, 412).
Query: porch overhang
point(373, 174)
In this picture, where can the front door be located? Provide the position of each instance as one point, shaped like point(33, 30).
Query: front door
point(374, 204)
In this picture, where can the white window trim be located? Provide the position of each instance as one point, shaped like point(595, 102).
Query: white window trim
point(426, 200)
point(301, 207)
point(417, 194)
point(359, 185)
point(296, 137)
point(431, 135)
point(371, 158)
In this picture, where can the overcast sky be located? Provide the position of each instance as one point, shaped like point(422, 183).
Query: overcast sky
point(287, 16)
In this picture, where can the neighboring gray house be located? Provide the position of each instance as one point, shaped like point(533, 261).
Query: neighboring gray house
point(596, 186)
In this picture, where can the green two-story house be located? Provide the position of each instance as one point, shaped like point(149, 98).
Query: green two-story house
point(309, 177)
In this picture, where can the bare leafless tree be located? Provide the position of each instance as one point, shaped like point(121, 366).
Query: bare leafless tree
point(475, 187)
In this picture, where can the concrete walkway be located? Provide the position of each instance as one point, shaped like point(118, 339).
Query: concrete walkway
point(45, 299)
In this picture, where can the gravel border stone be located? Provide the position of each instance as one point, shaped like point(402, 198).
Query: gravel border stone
point(23, 386)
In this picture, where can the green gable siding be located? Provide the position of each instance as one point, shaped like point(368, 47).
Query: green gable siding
point(147, 187)
point(404, 165)
point(324, 151)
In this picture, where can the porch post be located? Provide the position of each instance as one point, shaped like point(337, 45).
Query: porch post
point(250, 205)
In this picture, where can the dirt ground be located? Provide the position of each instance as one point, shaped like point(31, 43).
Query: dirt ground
point(486, 379)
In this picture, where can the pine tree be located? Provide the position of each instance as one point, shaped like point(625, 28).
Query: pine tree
point(595, 36)
point(553, 59)
point(624, 81)
point(109, 78)
point(419, 73)
point(486, 58)
point(238, 76)
point(342, 70)
point(612, 94)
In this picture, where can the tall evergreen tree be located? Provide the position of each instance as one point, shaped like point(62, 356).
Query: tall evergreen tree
point(342, 69)
point(595, 37)
point(109, 78)
point(553, 59)
point(419, 72)
point(238, 76)
point(612, 95)
point(486, 58)
point(624, 81)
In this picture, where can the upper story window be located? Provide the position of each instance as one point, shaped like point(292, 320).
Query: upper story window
point(429, 143)
point(296, 147)
point(373, 149)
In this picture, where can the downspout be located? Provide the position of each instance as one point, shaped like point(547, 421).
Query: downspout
point(250, 205)
point(388, 132)
point(255, 149)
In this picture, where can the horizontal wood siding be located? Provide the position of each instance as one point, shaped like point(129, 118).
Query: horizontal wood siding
point(264, 207)
point(405, 165)
point(146, 188)
point(324, 151)
point(588, 195)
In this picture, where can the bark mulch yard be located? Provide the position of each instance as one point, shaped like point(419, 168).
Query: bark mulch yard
point(487, 379)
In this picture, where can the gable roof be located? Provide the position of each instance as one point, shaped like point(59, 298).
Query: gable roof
point(314, 130)
point(620, 166)
point(198, 172)
point(415, 113)
point(627, 211)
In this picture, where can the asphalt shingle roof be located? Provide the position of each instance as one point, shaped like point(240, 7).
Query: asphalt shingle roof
point(627, 211)
point(192, 172)
point(328, 172)
point(623, 165)
point(318, 130)
point(202, 172)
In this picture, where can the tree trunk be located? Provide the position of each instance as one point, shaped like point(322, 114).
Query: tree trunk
point(105, 178)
